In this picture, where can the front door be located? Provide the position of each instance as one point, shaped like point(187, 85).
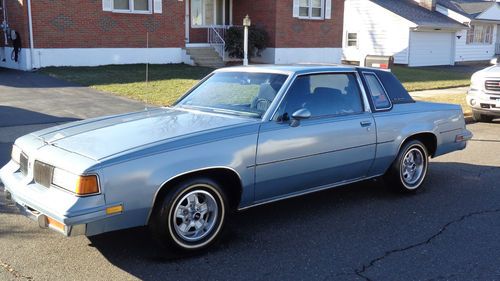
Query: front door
point(336, 144)
point(202, 14)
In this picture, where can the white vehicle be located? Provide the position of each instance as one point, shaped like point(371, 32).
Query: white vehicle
point(484, 94)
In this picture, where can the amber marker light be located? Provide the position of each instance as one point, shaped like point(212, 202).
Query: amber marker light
point(55, 224)
point(114, 209)
point(86, 185)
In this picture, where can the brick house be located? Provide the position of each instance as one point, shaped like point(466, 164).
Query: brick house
point(99, 32)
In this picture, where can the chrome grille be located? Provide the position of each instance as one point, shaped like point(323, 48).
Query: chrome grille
point(23, 162)
point(42, 173)
point(492, 85)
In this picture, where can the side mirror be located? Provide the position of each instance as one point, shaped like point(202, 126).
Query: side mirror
point(298, 115)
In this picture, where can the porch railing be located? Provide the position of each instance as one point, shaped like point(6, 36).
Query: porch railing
point(216, 35)
point(497, 49)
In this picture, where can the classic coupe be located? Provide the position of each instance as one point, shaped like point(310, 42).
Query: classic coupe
point(242, 137)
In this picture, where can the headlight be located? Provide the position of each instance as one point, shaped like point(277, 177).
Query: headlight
point(16, 154)
point(81, 185)
point(476, 82)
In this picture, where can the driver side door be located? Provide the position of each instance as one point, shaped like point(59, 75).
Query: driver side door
point(336, 144)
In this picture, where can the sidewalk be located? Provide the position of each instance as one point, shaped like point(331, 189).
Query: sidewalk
point(449, 91)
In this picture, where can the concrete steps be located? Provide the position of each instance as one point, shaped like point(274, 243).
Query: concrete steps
point(205, 56)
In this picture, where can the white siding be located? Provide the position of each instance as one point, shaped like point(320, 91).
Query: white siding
point(380, 32)
point(473, 52)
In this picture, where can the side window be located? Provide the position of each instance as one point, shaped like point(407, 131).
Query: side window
point(377, 92)
point(323, 95)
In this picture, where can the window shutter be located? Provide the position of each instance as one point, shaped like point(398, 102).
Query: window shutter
point(107, 5)
point(295, 8)
point(158, 8)
point(328, 9)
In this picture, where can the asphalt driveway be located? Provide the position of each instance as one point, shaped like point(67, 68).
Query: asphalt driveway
point(359, 232)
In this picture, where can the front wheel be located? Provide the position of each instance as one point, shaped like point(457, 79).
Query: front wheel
point(408, 171)
point(191, 215)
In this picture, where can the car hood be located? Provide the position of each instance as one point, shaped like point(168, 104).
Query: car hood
point(104, 137)
point(492, 71)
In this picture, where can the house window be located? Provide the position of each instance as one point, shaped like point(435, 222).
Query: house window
point(352, 39)
point(480, 34)
point(210, 12)
point(312, 9)
point(132, 6)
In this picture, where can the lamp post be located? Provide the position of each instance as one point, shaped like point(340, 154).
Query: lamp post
point(246, 23)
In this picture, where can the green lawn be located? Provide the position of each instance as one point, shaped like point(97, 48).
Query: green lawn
point(428, 78)
point(168, 82)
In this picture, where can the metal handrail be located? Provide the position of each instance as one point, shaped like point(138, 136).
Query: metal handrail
point(216, 36)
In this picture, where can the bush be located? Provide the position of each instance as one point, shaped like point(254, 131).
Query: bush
point(257, 41)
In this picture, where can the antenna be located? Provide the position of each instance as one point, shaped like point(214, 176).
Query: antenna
point(147, 57)
point(147, 66)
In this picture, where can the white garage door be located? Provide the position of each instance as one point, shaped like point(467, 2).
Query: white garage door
point(431, 48)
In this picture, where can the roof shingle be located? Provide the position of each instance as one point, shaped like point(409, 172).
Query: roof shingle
point(422, 17)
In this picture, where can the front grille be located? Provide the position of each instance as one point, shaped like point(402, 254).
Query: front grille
point(23, 162)
point(42, 173)
point(492, 85)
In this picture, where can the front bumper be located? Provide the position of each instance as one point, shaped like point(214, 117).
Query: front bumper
point(488, 104)
point(51, 207)
point(44, 221)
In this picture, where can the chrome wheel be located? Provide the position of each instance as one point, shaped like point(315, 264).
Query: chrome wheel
point(195, 215)
point(413, 167)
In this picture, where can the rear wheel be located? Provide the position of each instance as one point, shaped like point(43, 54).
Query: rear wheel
point(191, 216)
point(408, 171)
point(478, 117)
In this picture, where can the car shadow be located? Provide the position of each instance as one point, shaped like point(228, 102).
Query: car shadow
point(16, 122)
point(340, 226)
point(25, 79)
point(15, 116)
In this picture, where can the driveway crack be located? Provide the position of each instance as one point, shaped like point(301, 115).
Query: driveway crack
point(362, 271)
point(14, 272)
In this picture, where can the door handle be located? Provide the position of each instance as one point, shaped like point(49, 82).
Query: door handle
point(365, 123)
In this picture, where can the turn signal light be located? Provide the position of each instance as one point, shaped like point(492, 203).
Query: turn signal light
point(55, 224)
point(87, 185)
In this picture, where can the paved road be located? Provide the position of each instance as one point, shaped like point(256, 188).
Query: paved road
point(360, 232)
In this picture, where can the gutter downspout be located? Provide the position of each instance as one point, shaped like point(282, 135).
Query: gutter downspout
point(30, 26)
point(4, 22)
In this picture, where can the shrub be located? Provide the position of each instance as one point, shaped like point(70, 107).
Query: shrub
point(257, 41)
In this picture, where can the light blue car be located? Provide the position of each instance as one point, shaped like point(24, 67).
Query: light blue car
point(242, 137)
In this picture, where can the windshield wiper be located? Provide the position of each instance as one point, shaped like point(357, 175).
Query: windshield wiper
point(221, 110)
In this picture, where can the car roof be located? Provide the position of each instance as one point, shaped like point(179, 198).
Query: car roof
point(289, 69)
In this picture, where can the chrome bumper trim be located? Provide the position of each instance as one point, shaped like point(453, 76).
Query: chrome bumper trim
point(41, 219)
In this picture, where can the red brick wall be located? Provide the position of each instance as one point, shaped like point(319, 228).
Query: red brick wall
point(285, 31)
point(299, 33)
point(83, 24)
point(261, 12)
point(17, 14)
point(198, 35)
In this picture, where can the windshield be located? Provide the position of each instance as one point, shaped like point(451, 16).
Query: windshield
point(238, 93)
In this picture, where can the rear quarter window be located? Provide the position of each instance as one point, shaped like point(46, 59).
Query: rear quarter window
point(377, 92)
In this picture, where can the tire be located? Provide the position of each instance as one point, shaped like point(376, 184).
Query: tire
point(191, 216)
point(408, 171)
point(478, 117)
